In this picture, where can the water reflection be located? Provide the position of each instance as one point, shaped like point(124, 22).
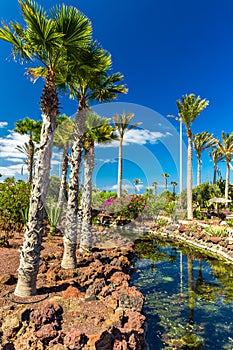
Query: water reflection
point(189, 298)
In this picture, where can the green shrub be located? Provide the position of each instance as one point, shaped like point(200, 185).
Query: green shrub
point(162, 222)
point(216, 231)
point(14, 200)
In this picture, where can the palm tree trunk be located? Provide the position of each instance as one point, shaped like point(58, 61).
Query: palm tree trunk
point(63, 196)
point(86, 234)
point(189, 178)
point(119, 180)
point(227, 183)
point(30, 159)
point(70, 236)
point(30, 253)
point(215, 174)
point(198, 170)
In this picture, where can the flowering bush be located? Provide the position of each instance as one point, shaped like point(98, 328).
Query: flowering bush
point(129, 206)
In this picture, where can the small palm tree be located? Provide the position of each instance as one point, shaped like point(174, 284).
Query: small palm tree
point(52, 41)
point(174, 184)
point(154, 184)
point(201, 142)
point(31, 128)
point(216, 157)
point(226, 150)
point(136, 183)
point(165, 175)
point(25, 149)
point(122, 124)
point(189, 108)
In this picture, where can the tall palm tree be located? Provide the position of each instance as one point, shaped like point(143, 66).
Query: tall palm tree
point(165, 175)
point(31, 128)
point(189, 107)
point(216, 157)
point(87, 83)
point(226, 149)
point(24, 149)
point(201, 142)
point(53, 41)
point(122, 123)
point(174, 184)
point(98, 131)
point(62, 140)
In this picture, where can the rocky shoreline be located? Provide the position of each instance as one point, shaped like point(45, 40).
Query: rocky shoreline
point(91, 307)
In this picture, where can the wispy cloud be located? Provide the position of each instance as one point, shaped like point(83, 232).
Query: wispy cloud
point(11, 170)
point(107, 160)
point(139, 137)
point(3, 124)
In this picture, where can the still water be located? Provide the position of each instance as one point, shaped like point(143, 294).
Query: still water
point(188, 297)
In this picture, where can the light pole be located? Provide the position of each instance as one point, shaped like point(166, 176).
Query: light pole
point(179, 119)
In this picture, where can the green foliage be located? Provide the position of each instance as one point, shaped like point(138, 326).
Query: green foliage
point(53, 215)
point(129, 206)
point(14, 199)
point(202, 194)
point(99, 197)
point(162, 222)
point(216, 231)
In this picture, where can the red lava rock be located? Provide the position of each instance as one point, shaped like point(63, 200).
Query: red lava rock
point(8, 279)
point(135, 321)
point(96, 287)
point(75, 339)
point(118, 277)
point(230, 247)
point(72, 292)
point(215, 240)
point(47, 331)
point(47, 314)
point(105, 341)
point(182, 228)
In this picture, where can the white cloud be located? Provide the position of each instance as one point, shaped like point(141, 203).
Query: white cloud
point(101, 160)
point(138, 136)
point(11, 170)
point(3, 124)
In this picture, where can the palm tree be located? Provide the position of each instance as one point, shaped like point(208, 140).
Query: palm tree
point(226, 150)
point(52, 41)
point(174, 184)
point(154, 184)
point(95, 83)
point(62, 141)
point(31, 128)
point(216, 157)
point(100, 131)
point(201, 142)
point(122, 123)
point(189, 107)
point(165, 175)
point(24, 149)
point(136, 183)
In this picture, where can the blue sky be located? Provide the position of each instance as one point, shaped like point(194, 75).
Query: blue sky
point(164, 49)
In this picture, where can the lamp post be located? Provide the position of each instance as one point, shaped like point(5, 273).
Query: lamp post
point(179, 119)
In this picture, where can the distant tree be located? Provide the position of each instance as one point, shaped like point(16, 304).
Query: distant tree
point(216, 157)
point(154, 184)
point(189, 107)
point(136, 183)
point(201, 142)
point(174, 184)
point(226, 149)
point(31, 128)
point(122, 123)
point(165, 175)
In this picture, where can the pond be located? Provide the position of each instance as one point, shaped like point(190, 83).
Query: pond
point(188, 297)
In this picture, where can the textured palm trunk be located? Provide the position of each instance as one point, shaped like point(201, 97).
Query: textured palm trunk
point(31, 151)
point(30, 253)
point(70, 236)
point(63, 196)
point(190, 290)
point(86, 231)
point(119, 179)
point(198, 170)
point(189, 178)
point(215, 174)
point(227, 182)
